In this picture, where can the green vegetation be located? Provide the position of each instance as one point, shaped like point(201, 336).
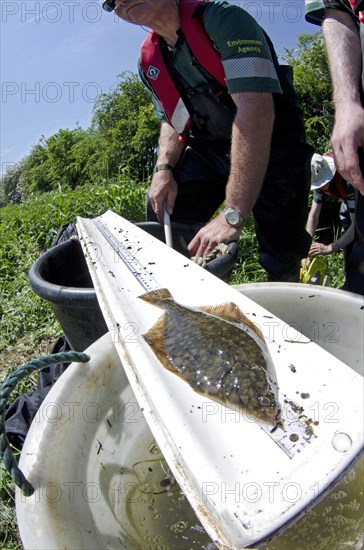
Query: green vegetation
point(313, 85)
point(85, 172)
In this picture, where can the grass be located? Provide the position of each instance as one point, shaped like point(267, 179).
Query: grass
point(9, 537)
point(27, 324)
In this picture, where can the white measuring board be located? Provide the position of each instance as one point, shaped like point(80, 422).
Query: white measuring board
point(243, 482)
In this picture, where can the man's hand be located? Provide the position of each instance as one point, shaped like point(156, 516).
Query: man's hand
point(212, 234)
point(163, 191)
point(347, 138)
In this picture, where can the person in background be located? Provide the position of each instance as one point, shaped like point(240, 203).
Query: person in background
point(326, 182)
point(324, 218)
point(343, 30)
point(232, 130)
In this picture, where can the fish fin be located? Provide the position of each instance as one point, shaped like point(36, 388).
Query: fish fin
point(232, 313)
point(155, 296)
point(154, 338)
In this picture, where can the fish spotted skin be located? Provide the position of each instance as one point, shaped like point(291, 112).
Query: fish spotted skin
point(210, 348)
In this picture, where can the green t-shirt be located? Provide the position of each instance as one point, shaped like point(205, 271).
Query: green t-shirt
point(245, 54)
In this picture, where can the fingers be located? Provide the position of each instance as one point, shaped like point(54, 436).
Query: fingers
point(346, 140)
point(157, 200)
point(319, 249)
point(354, 176)
point(201, 247)
point(201, 244)
point(348, 166)
point(159, 206)
point(211, 235)
point(163, 191)
point(315, 249)
point(158, 210)
point(171, 199)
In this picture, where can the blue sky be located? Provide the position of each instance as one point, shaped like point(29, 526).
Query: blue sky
point(56, 57)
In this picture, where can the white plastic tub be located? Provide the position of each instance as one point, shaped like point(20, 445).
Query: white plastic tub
point(332, 318)
point(101, 481)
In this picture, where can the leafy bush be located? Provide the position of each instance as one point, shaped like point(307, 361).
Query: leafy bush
point(313, 84)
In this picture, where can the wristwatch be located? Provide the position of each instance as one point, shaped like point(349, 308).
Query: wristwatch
point(233, 217)
point(159, 167)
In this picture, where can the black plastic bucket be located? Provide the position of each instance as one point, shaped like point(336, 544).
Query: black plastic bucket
point(182, 233)
point(61, 277)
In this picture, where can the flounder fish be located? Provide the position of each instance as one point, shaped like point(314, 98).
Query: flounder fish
point(218, 351)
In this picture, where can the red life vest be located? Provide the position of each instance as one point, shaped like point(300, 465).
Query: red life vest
point(157, 74)
point(358, 7)
point(336, 189)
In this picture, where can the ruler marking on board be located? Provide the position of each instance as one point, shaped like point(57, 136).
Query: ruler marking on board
point(293, 438)
point(145, 279)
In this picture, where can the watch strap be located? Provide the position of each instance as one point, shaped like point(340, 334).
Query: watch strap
point(159, 167)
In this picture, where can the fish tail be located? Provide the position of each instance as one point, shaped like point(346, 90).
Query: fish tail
point(156, 296)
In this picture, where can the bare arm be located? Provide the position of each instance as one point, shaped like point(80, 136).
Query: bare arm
point(313, 218)
point(345, 239)
point(344, 52)
point(250, 148)
point(164, 188)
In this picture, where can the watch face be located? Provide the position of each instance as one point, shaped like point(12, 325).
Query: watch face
point(233, 217)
